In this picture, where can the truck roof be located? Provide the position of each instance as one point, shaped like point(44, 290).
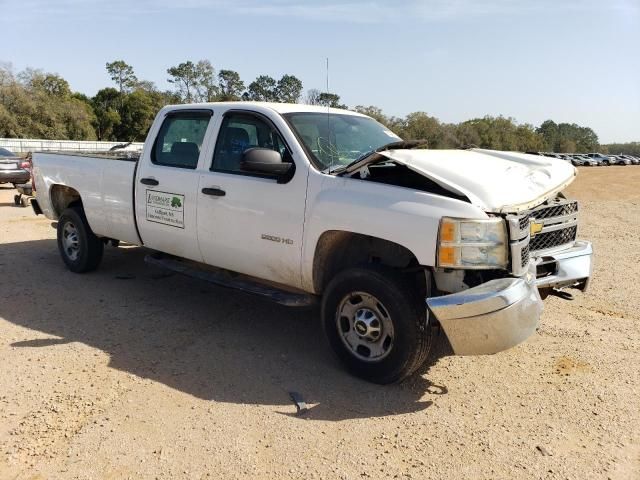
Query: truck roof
point(278, 107)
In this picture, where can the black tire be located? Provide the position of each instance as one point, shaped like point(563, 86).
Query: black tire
point(405, 310)
point(86, 254)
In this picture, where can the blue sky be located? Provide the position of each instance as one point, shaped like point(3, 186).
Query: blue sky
point(569, 60)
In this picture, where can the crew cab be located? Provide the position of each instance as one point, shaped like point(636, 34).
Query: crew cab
point(305, 204)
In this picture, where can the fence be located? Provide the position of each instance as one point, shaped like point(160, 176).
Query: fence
point(23, 145)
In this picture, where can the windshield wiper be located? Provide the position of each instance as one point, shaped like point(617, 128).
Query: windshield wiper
point(373, 156)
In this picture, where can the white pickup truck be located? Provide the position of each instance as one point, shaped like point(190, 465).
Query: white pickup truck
point(299, 203)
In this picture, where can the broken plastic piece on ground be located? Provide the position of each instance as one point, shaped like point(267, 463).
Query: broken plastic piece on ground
point(544, 451)
point(299, 403)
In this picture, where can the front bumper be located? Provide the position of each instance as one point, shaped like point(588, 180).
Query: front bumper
point(568, 268)
point(502, 313)
point(489, 318)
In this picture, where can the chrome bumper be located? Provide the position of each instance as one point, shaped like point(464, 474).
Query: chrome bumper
point(502, 313)
point(489, 318)
point(570, 267)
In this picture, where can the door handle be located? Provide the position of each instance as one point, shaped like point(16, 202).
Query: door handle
point(149, 181)
point(215, 191)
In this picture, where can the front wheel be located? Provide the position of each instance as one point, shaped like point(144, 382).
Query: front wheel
point(376, 323)
point(80, 249)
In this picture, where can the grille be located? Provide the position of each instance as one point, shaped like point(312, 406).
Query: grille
point(525, 256)
point(523, 222)
point(545, 240)
point(555, 210)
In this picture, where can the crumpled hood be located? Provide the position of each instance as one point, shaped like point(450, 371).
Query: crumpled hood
point(492, 180)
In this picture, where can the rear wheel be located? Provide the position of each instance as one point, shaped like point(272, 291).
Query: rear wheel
point(80, 249)
point(376, 322)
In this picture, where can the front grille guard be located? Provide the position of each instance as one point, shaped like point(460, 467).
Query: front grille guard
point(557, 221)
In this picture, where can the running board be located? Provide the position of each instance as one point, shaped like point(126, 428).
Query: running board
point(225, 278)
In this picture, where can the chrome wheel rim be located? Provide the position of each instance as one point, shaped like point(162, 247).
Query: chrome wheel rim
point(70, 241)
point(365, 326)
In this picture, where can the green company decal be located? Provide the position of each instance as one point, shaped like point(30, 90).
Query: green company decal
point(165, 208)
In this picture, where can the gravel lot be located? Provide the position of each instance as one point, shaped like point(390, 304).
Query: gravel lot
point(129, 373)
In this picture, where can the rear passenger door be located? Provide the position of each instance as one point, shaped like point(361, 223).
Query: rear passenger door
point(167, 184)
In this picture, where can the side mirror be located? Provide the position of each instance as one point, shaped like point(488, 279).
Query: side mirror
point(264, 160)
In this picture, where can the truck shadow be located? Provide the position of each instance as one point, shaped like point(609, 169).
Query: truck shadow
point(207, 341)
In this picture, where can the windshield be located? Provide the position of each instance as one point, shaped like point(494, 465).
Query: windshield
point(336, 140)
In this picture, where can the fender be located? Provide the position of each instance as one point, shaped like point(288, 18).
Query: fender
point(400, 215)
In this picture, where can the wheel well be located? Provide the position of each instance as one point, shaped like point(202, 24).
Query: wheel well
point(338, 250)
point(62, 197)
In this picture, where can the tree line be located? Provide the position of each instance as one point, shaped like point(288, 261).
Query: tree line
point(37, 104)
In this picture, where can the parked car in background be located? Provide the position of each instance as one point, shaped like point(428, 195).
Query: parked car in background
point(619, 160)
point(13, 169)
point(591, 159)
point(583, 161)
point(600, 158)
point(632, 159)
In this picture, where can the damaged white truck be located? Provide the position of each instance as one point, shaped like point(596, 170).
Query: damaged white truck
point(302, 204)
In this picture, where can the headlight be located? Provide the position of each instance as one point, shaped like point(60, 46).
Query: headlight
point(472, 244)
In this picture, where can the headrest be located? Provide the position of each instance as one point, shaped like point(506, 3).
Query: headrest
point(236, 139)
point(187, 149)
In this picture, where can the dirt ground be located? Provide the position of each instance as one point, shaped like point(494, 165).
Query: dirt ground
point(128, 373)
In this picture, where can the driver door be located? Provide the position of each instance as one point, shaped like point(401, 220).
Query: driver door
point(251, 223)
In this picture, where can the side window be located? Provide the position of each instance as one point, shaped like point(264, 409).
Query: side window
point(180, 139)
point(240, 131)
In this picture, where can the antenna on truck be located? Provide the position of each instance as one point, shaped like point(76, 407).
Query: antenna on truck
point(328, 119)
point(327, 91)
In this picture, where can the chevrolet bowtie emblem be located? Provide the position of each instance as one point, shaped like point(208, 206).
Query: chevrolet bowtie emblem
point(535, 228)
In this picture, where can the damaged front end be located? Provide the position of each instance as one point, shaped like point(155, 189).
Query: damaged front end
point(489, 315)
point(493, 272)
point(546, 237)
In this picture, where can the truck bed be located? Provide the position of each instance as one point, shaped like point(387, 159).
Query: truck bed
point(103, 180)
